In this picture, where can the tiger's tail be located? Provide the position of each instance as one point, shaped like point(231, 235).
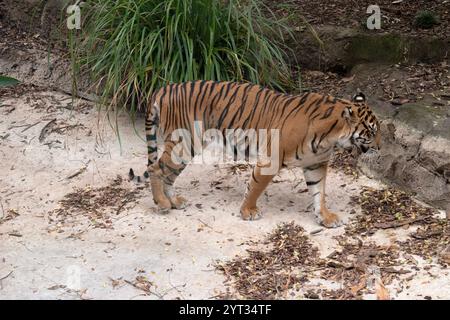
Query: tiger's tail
point(151, 129)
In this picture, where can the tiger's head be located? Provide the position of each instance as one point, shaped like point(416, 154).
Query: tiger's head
point(363, 127)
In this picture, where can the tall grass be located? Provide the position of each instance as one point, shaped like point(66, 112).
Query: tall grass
point(132, 47)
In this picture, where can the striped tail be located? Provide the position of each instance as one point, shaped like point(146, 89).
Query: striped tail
point(151, 128)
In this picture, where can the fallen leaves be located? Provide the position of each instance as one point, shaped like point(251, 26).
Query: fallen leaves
point(142, 283)
point(345, 162)
point(97, 204)
point(360, 266)
point(268, 274)
point(357, 267)
point(391, 208)
point(387, 208)
point(238, 168)
point(429, 240)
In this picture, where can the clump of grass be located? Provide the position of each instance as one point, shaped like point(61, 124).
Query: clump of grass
point(426, 19)
point(132, 47)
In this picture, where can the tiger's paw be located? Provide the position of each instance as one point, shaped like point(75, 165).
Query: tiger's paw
point(329, 220)
point(164, 206)
point(250, 214)
point(178, 202)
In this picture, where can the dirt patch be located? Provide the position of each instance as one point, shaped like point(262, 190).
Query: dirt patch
point(396, 16)
point(36, 20)
point(99, 205)
point(269, 274)
point(19, 90)
point(385, 209)
point(361, 268)
point(400, 84)
point(359, 265)
point(429, 240)
point(397, 83)
point(392, 208)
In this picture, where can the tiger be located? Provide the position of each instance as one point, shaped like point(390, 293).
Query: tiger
point(310, 125)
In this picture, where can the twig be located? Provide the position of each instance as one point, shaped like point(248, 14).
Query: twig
point(121, 206)
point(8, 111)
point(81, 95)
point(205, 224)
point(3, 209)
point(46, 129)
point(80, 171)
point(396, 224)
point(19, 126)
point(144, 290)
point(30, 126)
point(70, 126)
point(3, 278)
point(15, 235)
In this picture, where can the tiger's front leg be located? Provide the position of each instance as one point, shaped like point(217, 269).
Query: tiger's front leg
point(257, 184)
point(315, 177)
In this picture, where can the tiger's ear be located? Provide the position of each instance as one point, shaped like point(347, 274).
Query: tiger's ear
point(359, 97)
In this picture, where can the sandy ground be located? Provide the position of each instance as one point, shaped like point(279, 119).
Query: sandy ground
point(40, 259)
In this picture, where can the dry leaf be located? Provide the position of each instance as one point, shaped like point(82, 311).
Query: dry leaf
point(381, 291)
point(361, 285)
point(348, 79)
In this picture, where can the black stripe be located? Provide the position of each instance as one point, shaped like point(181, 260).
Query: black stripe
point(253, 176)
point(202, 83)
point(151, 149)
point(311, 104)
point(317, 105)
point(255, 108)
point(328, 113)
point(328, 132)
point(252, 110)
point(241, 108)
point(304, 98)
point(313, 146)
point(227, 107)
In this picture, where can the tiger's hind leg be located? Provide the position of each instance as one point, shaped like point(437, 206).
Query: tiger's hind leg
point(257, 184)
point(315, 176)
point(159, 196)
point(163, 175)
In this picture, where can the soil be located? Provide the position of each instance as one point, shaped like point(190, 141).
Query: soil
point(396, 84)
point(396, 16)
